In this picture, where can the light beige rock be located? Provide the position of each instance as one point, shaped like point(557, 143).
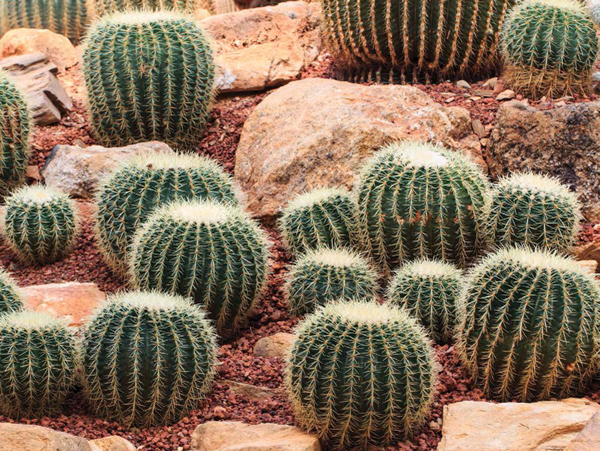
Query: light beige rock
point(541, 426)
point(276, 345)
point(317, 133)
point(252, 392)
point(589, 438)
point(590, 265)
point(24, 437)
point(112, 443)
point(235, 436)
point(263, 48)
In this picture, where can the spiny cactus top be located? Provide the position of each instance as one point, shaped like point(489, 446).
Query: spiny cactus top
point(104, 7)
point(134, 190)
point(533, 210)
point(211, 252)
point(530, 326)
point(149, 76)
point(550, 47)
point(430, 291)
point(148, 358)
point(37, 364)
point(324, 275)
point(360, 374)
point(15, 128)
point(418, 200)
point(10, 296)
point(323, 217)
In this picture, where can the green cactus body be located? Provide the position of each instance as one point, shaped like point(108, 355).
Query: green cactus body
point(360, 374)
point(549, 48)
point(325, 275)
point(401, 41)
point(37, 364)
point(40, 224)
point(430, 291)
point(148, 358)
point(422, 201)
point(529, 327)
point(10, 296)
point(145, 182)
point(205, 250)
point(104, 7)
point(324, 217)
point(533, 210)
point(149, 76)
point(15, 128)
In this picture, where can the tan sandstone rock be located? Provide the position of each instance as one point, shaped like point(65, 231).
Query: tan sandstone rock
point(589, 438)
point(112, 443)
point(252, 392)
point(276, 345)
point(540, 426)
point(24, 437)
point(317, 133)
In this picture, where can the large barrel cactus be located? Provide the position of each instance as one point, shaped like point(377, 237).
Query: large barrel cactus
point(10, 297)
point(530, 326)
point(549, 48)
point(149, 76)
point(146, 181)
point(148, 358)
point(205, 250)
point(422, 201)
point(360, 374)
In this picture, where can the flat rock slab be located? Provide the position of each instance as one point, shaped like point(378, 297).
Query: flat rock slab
point(112, 443)
point(252, 392)
point(23, 437)
point(589, 438)
point(277, 345)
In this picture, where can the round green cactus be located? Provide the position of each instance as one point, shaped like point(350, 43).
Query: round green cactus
point(361, 374)
point(148, 358)
point(141, 184)
point(15, 129)
point(430, 291)
point(529, 327)
point(325, 275)
point(104, 7)
point(422, 201)
point(149, 76)
point(37, 364)
point(533, 210)
point(10, 296)
point(324, 217)
point(211, 252)
point(549, 48)
point(40, 224)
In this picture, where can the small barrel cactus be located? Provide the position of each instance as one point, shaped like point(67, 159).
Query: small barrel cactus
point(146, 181)
point(549, 48)
point(533, 210)
point(161, 91)
point(15, 129)
point(360, 374)
point(40, 224)
point(104, 7)
point(529, 328)
point(325, 275)
point(37, 364)
point(422, 201)
point(324, 217)
point(10, 297)
point(148, 358)
point(430, 291)
point(211, 252)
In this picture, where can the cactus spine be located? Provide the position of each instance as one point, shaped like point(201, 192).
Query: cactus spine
point(360, 374)
point(148, 358)
point(325, 275)
point(429, 291)
point(104, 7)
point(422, 201)
point(161, 91)
point(144, 182)
point(37, 364)
point(205, 250)
point(549, 48)
point(10, 296)
point(529, 327)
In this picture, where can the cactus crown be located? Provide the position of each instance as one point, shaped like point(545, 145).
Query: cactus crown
point(104, 7)
point(10, 294)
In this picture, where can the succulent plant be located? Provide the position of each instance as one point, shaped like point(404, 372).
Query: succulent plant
point(104, 7)
point(360, 374)
point(148, 358)
point(323, 217)
point(15, 129)
point(529, 327)
point(211, 252)
point(37, 364)
point(142, 183)
point(325, 275)
point(419, 200)
point(430, 291)
point(149, 76)
point(549, 48)
point(533, 210)
point(10, 296)
point(40, 224)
